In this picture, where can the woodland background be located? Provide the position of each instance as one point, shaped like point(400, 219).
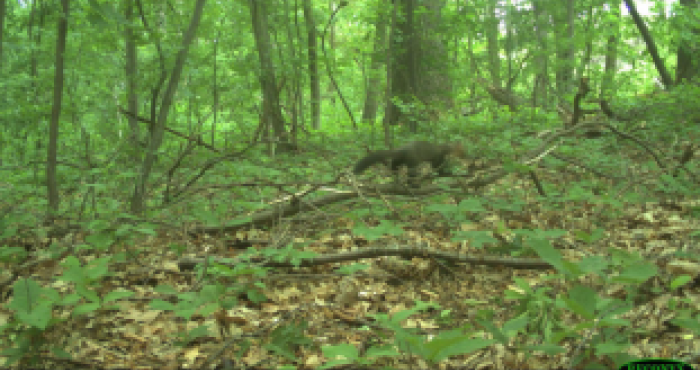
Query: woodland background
point(175, 188)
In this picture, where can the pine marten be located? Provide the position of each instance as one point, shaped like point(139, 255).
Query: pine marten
point(412, 155)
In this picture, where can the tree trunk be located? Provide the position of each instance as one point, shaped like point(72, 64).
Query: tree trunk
point(159, 126)
point(371, 104)
point(541, 90)
point(565, 49)
point(403, 65)
point(131, 70)
point(434, 84)
point(613, 28)
point(314, 80)
point(651, 45)
point(51, 181)
point(272, 112)
point(687, 66)
point(491, 30)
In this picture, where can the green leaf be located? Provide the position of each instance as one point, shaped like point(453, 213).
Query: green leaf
point(38, 317)
point(515, 325)
point(61, 353)
point(593, 264)
point(453, 343)
point(582, 300)
point(116, 295)
point(100, 240)
point(165, 289)
point(256, 295)
point(681, 281)
point(382, 351)
point(496, 332)
point(476, 238)
point(98, 268)
point(198, 332)
point(610, 347)
point(346, 351)
point(26, 293)
point(637, 273)
point(159, 304)
point(548, 254)
point(373, 233)
point(472, 205)
point(8, 232)
point(12, 255)
point(688, 323)
point(240, 221)
point(590, 238)
point(87, 293)
point(86, 308)
point(70, 299)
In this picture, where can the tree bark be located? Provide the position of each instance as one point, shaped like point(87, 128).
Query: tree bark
point(272, 112)
point(371, 104)
point(314, 80)
point(52, 153)
point(541, 90)
point(687, 66)
point(166, 102)
point(611, 53)
point(491, 29)
point(651, 45)
point(130, 69)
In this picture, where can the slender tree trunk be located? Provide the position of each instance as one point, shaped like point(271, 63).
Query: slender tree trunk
point(588, 53)
point(541, 90)
point(613, 28)
point(390, 109)
point(491, 30)
point(38, 9)
point(434, 84)
point(314, 80)
point(651, 45)
point(565, 51)
point(404, 72)
point(159, 127)
point(131, 72)
point(51, 157)
point(371, 104)
point(687, 55)
point(272, 112)
point(508, 46)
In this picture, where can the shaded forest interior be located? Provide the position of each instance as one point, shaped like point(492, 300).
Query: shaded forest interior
point(368, 184)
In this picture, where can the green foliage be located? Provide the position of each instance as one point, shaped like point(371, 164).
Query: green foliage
point(346, 354)
point(465, 211)
point(458, 212)
point(14, 255)
point(98, 165)
point(476, 238)
point(86, 279)
point(204, 301)
point(385, 227)
point(442, 346)
point(23, 337)
point(286, 339)
point(540, 321)
point(290, 254)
